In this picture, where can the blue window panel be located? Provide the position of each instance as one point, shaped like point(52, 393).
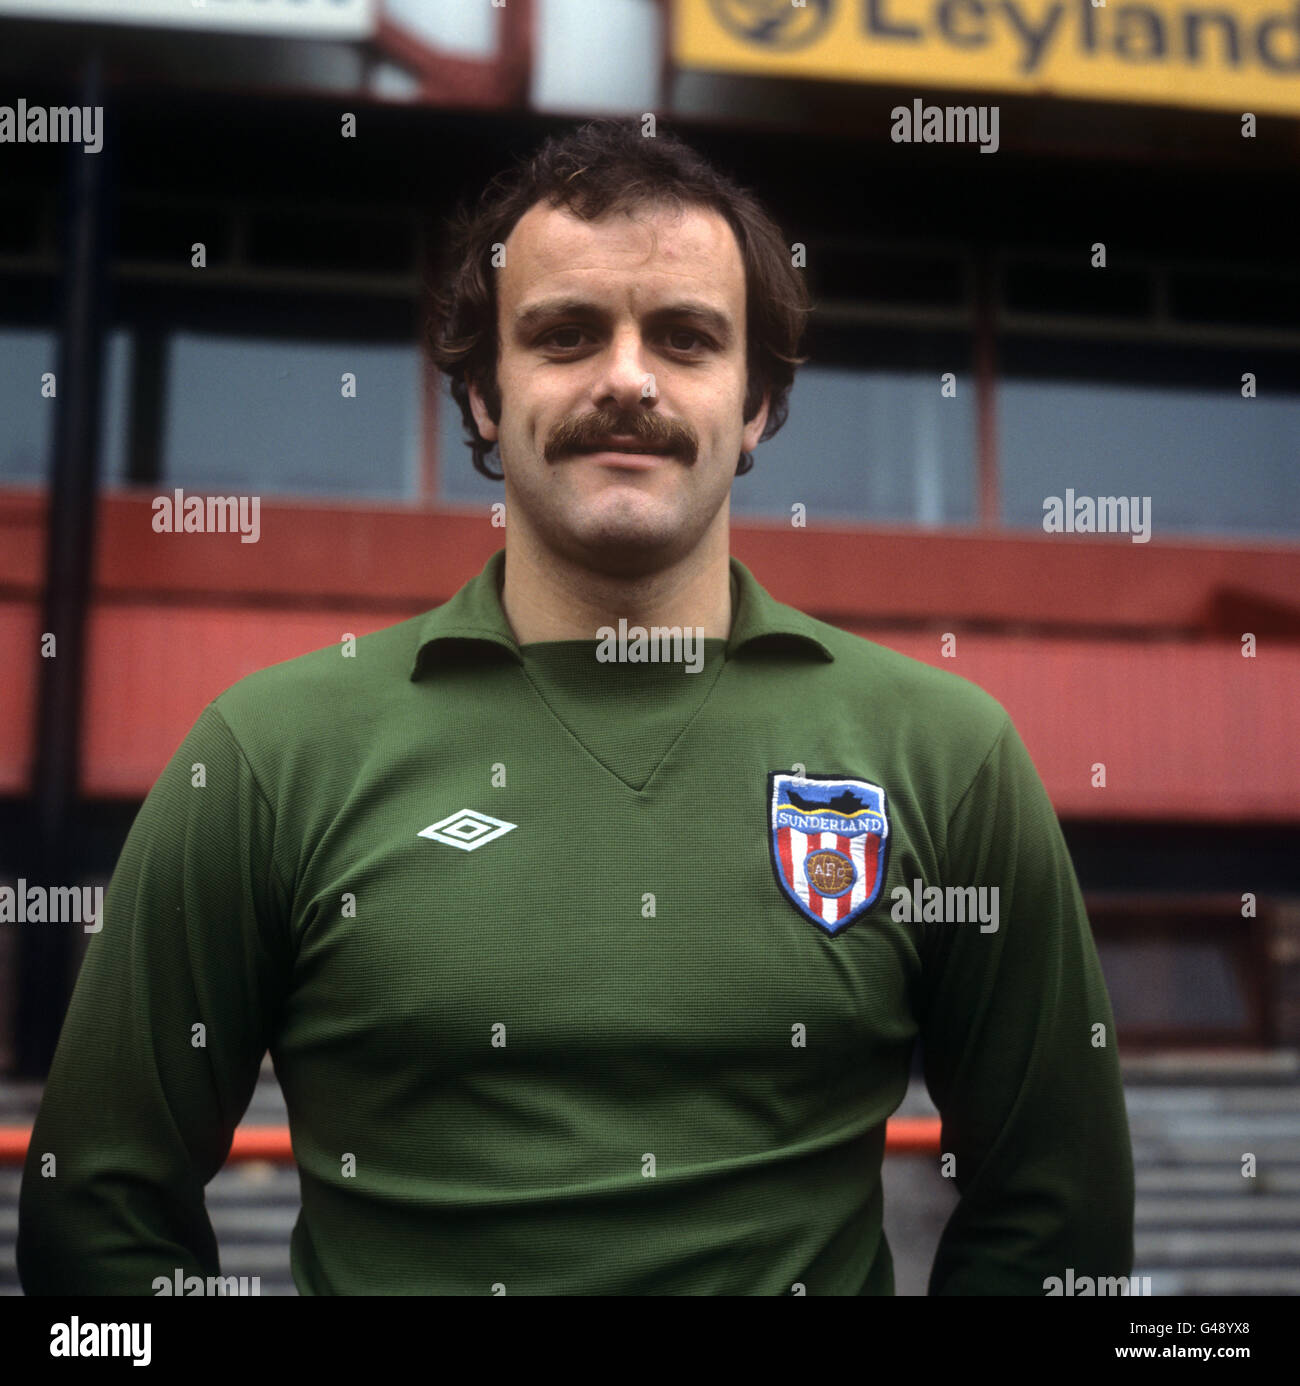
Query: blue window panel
point(115, 409)
point(1211, 461)
point(25, 439)
point(868, 447)
point(27, 432)
point(269, 416)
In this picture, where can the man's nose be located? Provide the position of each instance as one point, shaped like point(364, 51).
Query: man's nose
point(625, 376)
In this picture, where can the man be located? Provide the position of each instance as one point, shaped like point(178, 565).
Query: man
point(585, 974)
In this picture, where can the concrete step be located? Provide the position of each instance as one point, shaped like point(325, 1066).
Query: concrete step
point(1211, 1068)
point(1258, 1247)
point(1219, 1212)
point(252, 1183)
point(1180, 1280)
point(1272, 1151)
point(1220, 1178)
point(1157, 1101)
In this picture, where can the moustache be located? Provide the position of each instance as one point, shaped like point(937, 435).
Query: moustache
point(639, 432)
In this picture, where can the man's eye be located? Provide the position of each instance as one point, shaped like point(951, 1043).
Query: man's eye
point(684, 332)
point(561, 331)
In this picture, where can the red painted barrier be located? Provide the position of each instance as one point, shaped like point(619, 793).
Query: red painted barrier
point(903, 1136)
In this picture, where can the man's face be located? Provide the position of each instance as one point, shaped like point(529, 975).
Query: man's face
point(620, 334)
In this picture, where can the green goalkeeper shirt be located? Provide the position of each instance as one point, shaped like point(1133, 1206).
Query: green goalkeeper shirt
point(590, 977)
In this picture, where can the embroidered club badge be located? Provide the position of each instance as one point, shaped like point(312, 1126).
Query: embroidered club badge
point(829, 839)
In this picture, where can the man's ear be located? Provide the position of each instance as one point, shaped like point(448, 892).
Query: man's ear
point(754, 428)
point(487, 429)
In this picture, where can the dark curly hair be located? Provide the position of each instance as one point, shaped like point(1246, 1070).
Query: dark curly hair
point(601, 167)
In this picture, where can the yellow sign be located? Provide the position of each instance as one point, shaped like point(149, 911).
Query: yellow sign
point(1237, 55)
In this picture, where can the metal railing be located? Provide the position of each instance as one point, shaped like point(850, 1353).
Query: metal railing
point(903, 1136)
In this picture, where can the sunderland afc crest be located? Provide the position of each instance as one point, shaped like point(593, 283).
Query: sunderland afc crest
point(829, 838)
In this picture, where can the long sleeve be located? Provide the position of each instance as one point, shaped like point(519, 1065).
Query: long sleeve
point(1020, 1053)
point(172, 1012)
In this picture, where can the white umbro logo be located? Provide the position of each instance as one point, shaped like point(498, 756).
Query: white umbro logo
point(467, 830)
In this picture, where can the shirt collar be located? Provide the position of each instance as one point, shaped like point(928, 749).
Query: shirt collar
point(473, 621)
